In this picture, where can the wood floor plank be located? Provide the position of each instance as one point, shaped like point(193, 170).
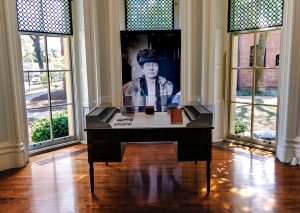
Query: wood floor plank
point(151, 180)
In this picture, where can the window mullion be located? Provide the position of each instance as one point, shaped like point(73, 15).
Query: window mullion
point(253, 86)
point(48, 87)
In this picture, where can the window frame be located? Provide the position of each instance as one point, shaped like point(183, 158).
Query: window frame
point(35, 146)
point(245, 140)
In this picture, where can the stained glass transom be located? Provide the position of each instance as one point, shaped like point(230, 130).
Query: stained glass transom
point(45, 16)
point(254, 14)
point(149, 14)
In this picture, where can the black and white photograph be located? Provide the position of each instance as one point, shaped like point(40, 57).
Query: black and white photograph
point(151, 68)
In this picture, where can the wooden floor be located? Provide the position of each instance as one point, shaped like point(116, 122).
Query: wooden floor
point(150, 180)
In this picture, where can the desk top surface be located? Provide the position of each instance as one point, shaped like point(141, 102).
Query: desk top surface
point(142, 120)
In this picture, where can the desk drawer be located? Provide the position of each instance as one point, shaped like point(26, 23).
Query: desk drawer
point(106, 134)
point(104, 144)
point(140, 135)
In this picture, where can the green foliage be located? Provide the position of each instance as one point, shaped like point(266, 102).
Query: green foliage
point(41, 130)
point(60, 125)
point(239, 126)
point(41, 127)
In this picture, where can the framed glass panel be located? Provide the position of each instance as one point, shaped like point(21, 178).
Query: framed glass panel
point(33, 52)
point(266, 90)
point(62, 121)
point(60, 88)
point(241, 119)
point(264, 123)
point(58, 55)
point(241, 50)
point(36, 89)
point(38, 121)
point(268, 43)
point(242, 82)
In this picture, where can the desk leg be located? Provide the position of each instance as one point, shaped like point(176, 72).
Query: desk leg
point(92, 176)
point(208, 176)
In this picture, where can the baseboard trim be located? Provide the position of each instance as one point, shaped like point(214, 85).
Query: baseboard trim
point(249, 144)
point(52, 148)
point(288, 149)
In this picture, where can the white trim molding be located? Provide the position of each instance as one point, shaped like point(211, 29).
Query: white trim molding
point(288, 151)
point(287, 145)
point(11, 155)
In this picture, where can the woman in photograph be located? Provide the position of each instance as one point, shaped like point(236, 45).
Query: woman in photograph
point(150, 89)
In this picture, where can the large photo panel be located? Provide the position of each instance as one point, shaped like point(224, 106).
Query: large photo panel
point(151, 68)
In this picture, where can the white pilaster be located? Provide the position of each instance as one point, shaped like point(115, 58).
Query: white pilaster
point(13, 150)
point(288, 143)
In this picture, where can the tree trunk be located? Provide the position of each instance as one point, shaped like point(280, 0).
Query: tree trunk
point(38, 51)
point(260, 59)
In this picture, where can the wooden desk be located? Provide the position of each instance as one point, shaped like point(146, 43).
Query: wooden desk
point(107, 138)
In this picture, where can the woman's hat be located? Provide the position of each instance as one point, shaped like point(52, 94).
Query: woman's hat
point(147, 55)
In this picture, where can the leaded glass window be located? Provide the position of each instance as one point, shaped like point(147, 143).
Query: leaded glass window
point(254, 14)
point(149, 14)
point(45, 16)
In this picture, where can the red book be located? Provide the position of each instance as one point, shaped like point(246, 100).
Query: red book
point(176, 116)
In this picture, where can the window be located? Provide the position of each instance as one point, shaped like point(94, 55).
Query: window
point(48, 89)
point(149, 14)
point(254, 69)
point(254, 14)
point(47, 70)
point(254, 88)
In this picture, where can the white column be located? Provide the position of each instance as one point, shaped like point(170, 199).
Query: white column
point(13, 140)
point(97, 55)
point(203, 64)
point(288, 140)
